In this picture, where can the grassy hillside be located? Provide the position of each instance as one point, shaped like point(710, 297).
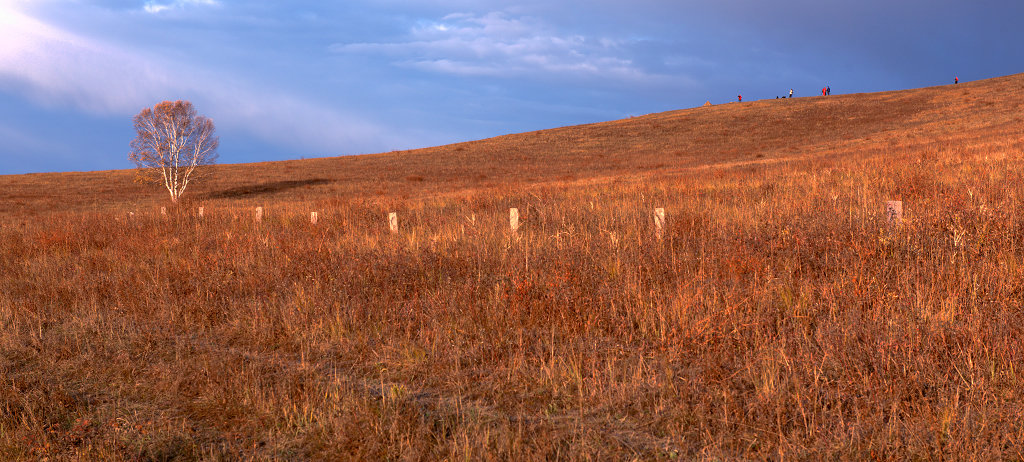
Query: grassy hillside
point(666, 144)
point(780, 316)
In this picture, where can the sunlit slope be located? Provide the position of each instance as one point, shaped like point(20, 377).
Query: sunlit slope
point(972, 115)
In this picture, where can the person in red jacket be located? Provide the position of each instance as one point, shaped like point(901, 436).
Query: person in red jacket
point(823, 91)
point(956, 80)
point(740, 98)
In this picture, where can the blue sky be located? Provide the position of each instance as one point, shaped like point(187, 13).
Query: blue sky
point(284, 80)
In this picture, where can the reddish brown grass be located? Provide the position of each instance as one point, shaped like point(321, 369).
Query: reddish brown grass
point(780, 317)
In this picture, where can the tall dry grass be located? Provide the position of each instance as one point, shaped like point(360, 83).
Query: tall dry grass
point(780, 317)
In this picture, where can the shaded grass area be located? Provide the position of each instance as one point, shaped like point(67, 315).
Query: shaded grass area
point(262, 189)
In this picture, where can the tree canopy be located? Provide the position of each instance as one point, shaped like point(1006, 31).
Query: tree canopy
point(172, 145)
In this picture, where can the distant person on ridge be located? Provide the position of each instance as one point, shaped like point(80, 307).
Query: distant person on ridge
point(739, 97)
point(790, 92)
point(956, 80)
point(824, 91)
point(828, 90)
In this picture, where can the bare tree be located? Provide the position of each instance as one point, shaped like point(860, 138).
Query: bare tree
point(172, 144)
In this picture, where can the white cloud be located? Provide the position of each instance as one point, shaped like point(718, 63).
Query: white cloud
point(60, 69)
point(496, 45)
point(159, 7)
point(56, 68)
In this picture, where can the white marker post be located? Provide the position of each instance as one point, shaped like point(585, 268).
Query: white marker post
point(659, 222)
point(259, 214)
point(393, 222)
point(313, 218)
point(894, 212)
point(513, 219)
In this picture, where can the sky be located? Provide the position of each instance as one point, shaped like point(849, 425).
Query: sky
point(313, 78)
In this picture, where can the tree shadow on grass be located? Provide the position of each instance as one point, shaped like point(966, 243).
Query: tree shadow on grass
point(263, 188)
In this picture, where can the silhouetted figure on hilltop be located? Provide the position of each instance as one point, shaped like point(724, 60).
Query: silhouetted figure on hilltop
point(828, 90)
point(790, 92)
point(956, 80)
point(740, 98)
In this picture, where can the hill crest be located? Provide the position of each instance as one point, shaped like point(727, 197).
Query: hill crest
point(661, 144)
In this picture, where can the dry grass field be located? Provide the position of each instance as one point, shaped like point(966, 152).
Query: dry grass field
point(780, 317)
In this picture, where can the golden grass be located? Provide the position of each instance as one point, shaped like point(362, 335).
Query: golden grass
point(780, 317)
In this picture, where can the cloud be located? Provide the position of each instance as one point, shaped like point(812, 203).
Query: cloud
point(160, 7)
point(57, 68)
point(497, 45)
